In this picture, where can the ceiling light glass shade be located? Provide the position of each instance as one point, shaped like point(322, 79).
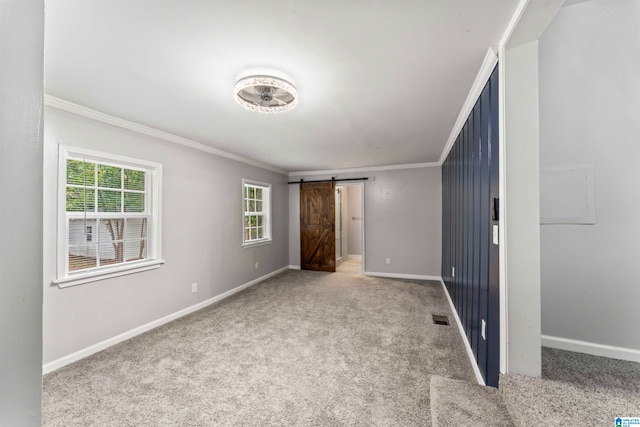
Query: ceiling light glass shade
point(266, 94)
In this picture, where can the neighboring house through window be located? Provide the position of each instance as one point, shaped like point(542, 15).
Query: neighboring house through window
point(256, 206)
point(109, 215)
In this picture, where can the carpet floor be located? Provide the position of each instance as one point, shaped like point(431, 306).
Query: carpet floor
point(456, 403)
point(591, 372)
point(576, 389)
point(301, 348)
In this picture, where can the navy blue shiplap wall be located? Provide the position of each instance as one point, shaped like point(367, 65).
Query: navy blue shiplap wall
point(470, 268)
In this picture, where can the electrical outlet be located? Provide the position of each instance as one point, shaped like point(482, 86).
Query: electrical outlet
point(194, 287)
point(453, 272)
point(256, 265)
point(484, 330)
point(388, 260)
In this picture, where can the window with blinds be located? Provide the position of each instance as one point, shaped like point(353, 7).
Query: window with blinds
point(257, 213)
point(110, 212)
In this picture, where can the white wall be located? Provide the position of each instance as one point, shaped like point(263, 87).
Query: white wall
point(403, 220)
point(354, 210)
point(521, 219)
point(21, 92)
point(520, 339)
point(590, 113)
point(201, 240)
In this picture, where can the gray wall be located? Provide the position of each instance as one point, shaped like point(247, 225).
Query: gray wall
point(21, 83)
point(355, 225)
point(403, 220)
point(201, 237)
point(589, 113)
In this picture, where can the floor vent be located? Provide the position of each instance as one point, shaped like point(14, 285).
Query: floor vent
point(439, 319)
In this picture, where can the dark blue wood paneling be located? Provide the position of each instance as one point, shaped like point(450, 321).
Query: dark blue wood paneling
point(493, 325)
point(475, 335)
point(463, 225)
point(470, 183)
point(446, 238)
point(458, 214)
point(468, 235)
point(485, 218)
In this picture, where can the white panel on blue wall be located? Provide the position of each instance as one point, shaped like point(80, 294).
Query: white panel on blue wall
point(567, 195)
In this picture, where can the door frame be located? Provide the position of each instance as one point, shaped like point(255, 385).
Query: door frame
point(295, 231)
point(362, 222)
point(340, 260)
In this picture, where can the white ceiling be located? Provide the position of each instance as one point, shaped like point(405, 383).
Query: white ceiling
point(379, 82)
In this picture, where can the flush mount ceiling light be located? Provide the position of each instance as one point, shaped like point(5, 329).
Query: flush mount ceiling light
point(266, 94)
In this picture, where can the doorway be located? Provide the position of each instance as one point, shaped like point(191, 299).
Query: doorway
point(349, 228)
point(332, 227)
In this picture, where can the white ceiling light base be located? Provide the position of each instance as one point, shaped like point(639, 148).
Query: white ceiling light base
point(266, 94)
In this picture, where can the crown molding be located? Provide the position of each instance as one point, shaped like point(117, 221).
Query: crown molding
point(530, 19)
point(366, 169)
point(79, 110)
point(513, 22)
point(488, 64)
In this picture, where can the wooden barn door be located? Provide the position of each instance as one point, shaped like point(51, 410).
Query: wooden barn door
point(317, 226)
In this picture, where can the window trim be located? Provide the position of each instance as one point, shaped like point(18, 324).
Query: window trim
point(268, 223)
point(153, 189)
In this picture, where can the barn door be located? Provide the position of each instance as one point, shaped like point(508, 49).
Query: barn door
point(317, 226)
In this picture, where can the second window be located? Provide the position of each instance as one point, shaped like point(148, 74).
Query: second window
point(257, 213)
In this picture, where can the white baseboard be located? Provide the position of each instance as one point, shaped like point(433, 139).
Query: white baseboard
point(594, 349)
point(354, 256)
point(81, 354)
point(294, 267)
point(402, 276)
point(463, 334)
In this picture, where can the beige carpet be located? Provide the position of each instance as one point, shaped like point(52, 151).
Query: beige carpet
point(576, 389)
point(350, 266)
point(302, 348)
point(457, 403)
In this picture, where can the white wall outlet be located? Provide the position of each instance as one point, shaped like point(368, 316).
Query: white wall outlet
point(194, 287)
point(484, 330)
point(453, 272)
point(256, 265)
point(388, 260)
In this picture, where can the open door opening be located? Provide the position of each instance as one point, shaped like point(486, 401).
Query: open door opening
point(339, 224)
point(349, 210)
point(332, 227)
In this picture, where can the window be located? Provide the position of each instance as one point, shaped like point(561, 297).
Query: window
point(256, 207)
point(108, 216)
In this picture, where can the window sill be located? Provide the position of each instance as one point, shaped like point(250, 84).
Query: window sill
point(257, 243)
point(107, 273)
